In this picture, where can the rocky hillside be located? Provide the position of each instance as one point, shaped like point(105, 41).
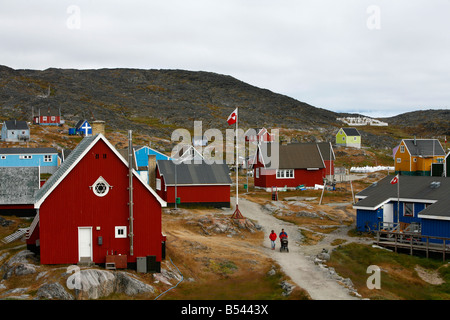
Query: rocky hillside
point(155, 102)
point(424, 122)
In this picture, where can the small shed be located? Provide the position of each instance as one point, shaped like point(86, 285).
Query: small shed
point(83, 128)
point(193, 183)
point(348, 137)
point(48, 116)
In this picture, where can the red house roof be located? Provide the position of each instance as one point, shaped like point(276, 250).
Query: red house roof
point(75, 156)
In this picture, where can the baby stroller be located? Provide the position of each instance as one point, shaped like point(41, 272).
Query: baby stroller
point(284, 245)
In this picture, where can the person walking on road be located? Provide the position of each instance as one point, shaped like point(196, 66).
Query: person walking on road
point(283, 234)
point(273, 237)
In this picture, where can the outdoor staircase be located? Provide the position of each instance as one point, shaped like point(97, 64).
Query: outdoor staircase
point(16, 235)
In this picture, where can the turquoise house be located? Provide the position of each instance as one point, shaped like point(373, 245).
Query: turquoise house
point(46, 159)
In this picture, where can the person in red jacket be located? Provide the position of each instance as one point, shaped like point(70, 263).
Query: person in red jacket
point(283, 234)
point(273, 237)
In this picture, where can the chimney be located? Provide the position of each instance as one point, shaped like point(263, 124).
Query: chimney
point(415, 143)
point(98, 126)
point(152, 171)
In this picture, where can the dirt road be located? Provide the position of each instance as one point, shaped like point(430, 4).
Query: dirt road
point(295, 263)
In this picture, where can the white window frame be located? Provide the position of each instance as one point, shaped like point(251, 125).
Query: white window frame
point(412, 208)
point(402, 149)
point(120, 232)
point(3, 157)
point(47, 158)
point(399, 160)
point(257, 173)
point(158, 184)
point(25, 157)
point(96, 187)
point(285, 174)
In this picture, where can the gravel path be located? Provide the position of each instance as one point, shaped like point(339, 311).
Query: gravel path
point(296, 263)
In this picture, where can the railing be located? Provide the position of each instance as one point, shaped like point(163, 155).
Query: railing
point(33, 226)
point(413, 241)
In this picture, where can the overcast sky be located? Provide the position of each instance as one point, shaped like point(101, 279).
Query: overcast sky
point(378, 58)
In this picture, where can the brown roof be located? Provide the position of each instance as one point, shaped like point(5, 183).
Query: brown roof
point(298, 156)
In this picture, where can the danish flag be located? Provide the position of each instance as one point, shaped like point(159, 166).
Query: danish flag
point(394, 180)
point(232, 118)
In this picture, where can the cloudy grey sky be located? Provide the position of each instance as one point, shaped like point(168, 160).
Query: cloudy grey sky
point(378, 58)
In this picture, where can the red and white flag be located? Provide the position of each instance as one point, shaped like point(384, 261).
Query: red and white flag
point(232, 118)
point(394, 180)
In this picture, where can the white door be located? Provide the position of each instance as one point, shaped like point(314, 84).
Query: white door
point(85, 243)
point(388, 212)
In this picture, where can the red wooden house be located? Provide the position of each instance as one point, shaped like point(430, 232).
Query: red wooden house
point(83, 211)
point(48, 116)
point(204, 184)
point(299, 164)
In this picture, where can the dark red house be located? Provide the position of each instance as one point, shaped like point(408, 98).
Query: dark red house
point(48, 116)
point(83, 210)
point(299, 164)
point(204, 184)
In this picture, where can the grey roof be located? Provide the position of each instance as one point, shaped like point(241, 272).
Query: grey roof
point(192, 173)
point(28, 150)
point(414, 188)
point(49, 111)
point(351, 131)
point(296, 156)
point(18, 185)
point(79, 123)
point(326, 150)
point(16, 125)
point(424, 147)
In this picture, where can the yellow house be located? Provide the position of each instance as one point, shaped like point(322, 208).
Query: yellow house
point(415, 156)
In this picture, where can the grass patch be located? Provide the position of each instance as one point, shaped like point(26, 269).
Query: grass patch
point(258, 286)
point(399, 278)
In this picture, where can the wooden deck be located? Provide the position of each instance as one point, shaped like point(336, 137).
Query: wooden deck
point(413, 242)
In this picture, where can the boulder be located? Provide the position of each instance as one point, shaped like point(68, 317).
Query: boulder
point(24, 269)
point(131, 286)
point(53, 291)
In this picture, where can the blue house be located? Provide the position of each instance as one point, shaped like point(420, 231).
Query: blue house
point(419, 203)
point(140, 160)
point(45, 158)
point(83, 128)
point(142, 153)
point(13, 130)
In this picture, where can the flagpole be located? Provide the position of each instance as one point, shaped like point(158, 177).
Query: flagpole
point(398, 201)
point(237, 214)
point(237, 159)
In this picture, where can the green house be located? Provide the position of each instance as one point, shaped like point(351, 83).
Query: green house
point(348, 137)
